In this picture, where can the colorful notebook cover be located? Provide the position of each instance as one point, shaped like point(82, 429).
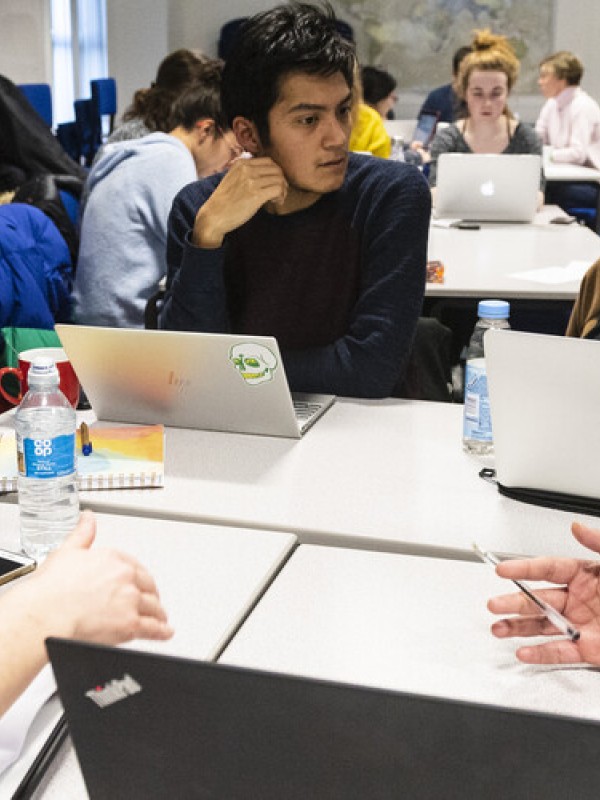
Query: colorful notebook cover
point(128, 457)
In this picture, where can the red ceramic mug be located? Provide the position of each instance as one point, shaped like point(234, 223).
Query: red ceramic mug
point(69, 384)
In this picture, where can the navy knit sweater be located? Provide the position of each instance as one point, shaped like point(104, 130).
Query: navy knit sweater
point(339, 284)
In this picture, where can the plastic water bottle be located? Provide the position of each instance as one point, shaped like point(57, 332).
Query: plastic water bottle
point(45, 425)
point(397, 153)
point(477, 424)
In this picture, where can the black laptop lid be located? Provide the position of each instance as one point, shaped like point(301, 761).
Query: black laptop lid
point(163, 727)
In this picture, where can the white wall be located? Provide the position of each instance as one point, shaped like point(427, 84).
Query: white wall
point(196, 23)
point(577, 28)
point(142, 32)
point(138, 39)
point(25, 45)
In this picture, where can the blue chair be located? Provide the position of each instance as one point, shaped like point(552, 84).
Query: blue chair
point(39, 97)
point(89, 129)
point(67, 134)
point(104, 94)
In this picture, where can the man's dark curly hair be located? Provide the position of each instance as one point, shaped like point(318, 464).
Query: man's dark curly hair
point(294, 38)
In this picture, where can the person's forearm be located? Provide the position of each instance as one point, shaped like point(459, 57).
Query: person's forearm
point(22, 649)
point(574, 154)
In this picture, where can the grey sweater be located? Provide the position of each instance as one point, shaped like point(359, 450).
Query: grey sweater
point(450, 140)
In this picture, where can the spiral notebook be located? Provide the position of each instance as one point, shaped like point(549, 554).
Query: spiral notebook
point(124, 457)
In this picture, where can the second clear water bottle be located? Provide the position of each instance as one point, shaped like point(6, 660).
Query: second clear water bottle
point(45, 425)
point(477, 424)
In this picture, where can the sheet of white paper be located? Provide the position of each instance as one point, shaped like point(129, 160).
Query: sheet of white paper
point(573, 271)
point(15, 723)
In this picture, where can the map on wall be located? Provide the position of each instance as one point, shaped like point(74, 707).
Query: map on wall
point(415, 39)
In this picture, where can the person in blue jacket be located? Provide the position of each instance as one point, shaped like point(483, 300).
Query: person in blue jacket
point(35, 269)
point(444, 99)
point(323, 249)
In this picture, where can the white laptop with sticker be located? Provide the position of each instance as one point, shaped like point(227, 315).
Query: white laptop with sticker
point(487, 188)
point(544, 401)
point(206, 381)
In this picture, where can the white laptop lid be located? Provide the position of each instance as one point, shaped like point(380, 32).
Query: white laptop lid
point(189, 380)
point(487, 188)
point(545, 400)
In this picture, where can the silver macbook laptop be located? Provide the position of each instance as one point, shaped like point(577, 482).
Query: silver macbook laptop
point(153, 727)
point(545, 400)
point(487, 188)
point(206, 381)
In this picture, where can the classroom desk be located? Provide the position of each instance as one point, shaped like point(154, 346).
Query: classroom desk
point(385, 475)
point(571, 173)
point(208, 579)
point(482, 263)
point(404, 623)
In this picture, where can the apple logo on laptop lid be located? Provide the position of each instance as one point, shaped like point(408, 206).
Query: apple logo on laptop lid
point(487, 189)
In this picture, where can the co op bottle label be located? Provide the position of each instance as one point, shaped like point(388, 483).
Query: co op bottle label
point(477, 420)
point(46, 458)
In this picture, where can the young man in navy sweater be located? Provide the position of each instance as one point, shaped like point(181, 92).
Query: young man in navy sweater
point(323, 249)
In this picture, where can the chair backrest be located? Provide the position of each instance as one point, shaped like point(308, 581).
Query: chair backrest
point(39, 97)
point(89, 129)
point(227, 35)
point(154, 306)
point(67, 134)
point(104, 93)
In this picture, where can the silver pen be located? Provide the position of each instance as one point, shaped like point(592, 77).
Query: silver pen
point(555, 617)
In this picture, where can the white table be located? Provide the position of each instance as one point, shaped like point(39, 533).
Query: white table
point(571, 173)
point(404, 623)
point(208, 580)
point(482, 263)
point(387, 475)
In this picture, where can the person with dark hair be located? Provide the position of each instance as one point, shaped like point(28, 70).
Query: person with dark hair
point(378, 90)
point(323, 249)
point(569, 125)
point(131, 189)
point(368, 133)
point(150, 109)
point(444, 99)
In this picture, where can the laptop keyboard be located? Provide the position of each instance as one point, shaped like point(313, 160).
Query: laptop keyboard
point(305, 411)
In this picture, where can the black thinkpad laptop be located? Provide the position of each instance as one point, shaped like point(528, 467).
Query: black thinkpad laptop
point(149, 726)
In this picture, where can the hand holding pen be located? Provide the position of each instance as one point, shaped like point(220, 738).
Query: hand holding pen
point(576, 599)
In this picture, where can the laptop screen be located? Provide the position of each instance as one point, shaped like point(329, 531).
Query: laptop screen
point(488, 187)
point(152, 726)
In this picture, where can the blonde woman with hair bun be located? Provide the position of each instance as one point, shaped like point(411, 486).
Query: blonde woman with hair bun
point(485, 80)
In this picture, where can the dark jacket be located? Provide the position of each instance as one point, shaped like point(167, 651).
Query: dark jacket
point(27, 145)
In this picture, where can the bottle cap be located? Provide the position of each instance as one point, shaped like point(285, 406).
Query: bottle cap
point(42, 371)
point(493, 309)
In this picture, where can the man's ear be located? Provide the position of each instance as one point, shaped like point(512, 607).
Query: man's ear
point(247, 135)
